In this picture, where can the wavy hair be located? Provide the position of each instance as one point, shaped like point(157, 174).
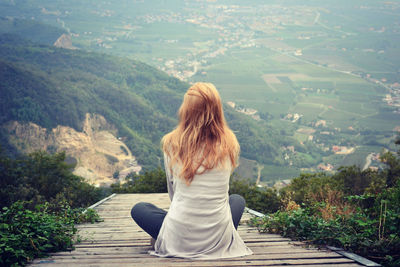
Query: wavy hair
point(202, 139)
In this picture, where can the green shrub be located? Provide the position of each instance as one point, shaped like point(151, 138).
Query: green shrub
point(41, 177)
point(41, 200)
point(301, 188)
point(26, 234)
point(371, 231)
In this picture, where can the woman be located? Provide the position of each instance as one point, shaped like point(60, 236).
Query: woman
point(199, 156)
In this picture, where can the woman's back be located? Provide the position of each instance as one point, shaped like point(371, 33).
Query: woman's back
point(209, 188)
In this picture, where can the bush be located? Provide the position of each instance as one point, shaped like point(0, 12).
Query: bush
point(41, 177)
point(41, 200)
point(26, 234)
point(301, 188)
point(358, 232)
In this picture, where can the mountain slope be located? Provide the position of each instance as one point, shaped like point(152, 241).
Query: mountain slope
point(51, 86)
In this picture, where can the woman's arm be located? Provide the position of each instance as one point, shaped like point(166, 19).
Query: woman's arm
point(170, 181)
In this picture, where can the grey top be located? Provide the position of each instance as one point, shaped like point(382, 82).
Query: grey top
point(199, 223)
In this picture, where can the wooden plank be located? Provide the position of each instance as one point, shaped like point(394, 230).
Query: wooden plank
point(118, 241)
point(133, 239)
point(192, 263)
point(284, 255)
point(103, 264)
point(135, 242)
point(355, 257)
point(146, 248)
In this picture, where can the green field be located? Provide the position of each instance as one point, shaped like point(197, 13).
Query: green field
point(342, 99)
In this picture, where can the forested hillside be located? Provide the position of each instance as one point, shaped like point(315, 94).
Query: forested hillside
point(30, 29)
point(50, 86)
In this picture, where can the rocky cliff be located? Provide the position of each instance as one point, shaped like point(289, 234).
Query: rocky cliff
point(64, 41)
point(99, 154)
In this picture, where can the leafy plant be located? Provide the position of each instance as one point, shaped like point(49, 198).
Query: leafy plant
point(41, 202)
point(26, 234)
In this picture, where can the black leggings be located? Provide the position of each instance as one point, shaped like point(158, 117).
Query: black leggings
point(150, 218)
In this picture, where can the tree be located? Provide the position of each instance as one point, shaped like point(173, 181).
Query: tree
point(41, 177)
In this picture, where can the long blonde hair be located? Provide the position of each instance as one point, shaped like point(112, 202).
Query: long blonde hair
point(202, 137)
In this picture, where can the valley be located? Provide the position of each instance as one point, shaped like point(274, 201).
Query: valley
point(324, 76)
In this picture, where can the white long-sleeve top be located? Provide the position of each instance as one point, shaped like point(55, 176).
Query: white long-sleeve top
point(199, 223)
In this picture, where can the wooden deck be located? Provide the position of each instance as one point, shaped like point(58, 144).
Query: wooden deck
point(118, 241)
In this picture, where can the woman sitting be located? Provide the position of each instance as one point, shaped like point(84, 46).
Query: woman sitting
point(200, 154)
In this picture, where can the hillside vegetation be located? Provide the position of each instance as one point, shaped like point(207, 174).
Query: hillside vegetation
point(51, 86)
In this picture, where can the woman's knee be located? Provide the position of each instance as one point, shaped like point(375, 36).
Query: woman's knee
point(138, 209)
point(237, 199)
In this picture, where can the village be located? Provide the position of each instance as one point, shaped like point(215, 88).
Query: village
point(319, 127)
point(233, 31)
